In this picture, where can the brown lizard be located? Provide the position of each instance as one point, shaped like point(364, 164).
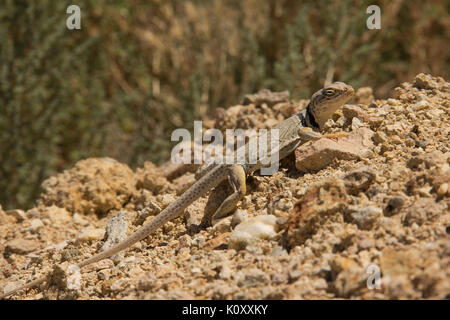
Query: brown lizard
point(293, 131)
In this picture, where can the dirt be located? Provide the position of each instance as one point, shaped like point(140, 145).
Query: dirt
point(333, 222)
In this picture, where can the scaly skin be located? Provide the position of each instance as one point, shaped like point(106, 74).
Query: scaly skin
point(293, 132)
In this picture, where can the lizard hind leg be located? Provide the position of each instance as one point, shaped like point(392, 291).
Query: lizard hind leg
point(236, 179)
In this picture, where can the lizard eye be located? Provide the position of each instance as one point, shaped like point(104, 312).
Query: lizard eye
point(329, 92)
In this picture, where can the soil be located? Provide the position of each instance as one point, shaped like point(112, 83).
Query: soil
point(361, 214)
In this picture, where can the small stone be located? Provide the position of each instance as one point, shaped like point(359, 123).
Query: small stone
point(33, 213)
point(424, 192)
point(421, 105)
point(393, 204)
point(73, 281)
point(91, 233)
point(238, 217)
point(58, 215)
point(6, 219)
point(352, 112)
point(319, 154)
point(104, 274)
point(196, 270)
point(364, 95)
point(443, 189)
point(253, 278)
point(393, 102)
point(120, 285)
point(126, 262)
point(100, 265)
point(116, 231)
point(222, 225)
point(279, 278)
point(294, 275)
point(35, 225)
point(278, 251)
point(367, 217)
point(366, 244)
point(426, 81)
point(356, 123)
point(198, 241)
point(166, 199)
point(225, 272)
point(424, 210)
point(9, 286)
point(340, 122)
point(260, 227)
point(147, 281)
point(396, 139)
point(21, 246)
point(396, 128)
point(218, 242)
point(184, 241)
point(18, 214)
point(78, 219)
point(359, 180)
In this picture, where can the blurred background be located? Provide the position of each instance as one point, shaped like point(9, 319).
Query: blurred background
point(138, 69)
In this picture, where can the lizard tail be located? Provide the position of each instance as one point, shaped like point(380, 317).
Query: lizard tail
point(25, 286)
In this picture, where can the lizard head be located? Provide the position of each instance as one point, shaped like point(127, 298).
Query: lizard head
point(327, 101)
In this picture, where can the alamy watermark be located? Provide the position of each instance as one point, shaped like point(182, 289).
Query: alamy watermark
point(374, 20)
point(374, 279)
point(73, 22)
point(242, 147)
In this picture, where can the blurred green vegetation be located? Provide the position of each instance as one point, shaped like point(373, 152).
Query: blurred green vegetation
point(139, 69)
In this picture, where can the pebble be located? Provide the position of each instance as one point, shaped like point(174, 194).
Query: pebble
point(394, 203)
point(367, 217)
point(120, 285)
point(279, 278)
point(73, 281)
point(21, 246)
point(58, 215)
point(91, 233)
point(238, 217)
point(294, 275)
point(421, 105)
point(356, 123)
point(254, 277)
point(184, 241)
point(17, 213)
point(12, 285)
point(78, 219)
point(116, 231)
point(222, 225)
point(260, 227)
point(35, 225)
point(443, 189)
point(323, 152)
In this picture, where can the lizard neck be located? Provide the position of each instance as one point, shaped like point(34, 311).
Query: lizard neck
point(308, 118)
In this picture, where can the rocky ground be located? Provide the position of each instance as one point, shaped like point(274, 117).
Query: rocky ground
point(339, 212)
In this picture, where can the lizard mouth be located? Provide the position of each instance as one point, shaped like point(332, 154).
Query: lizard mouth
point(350, 91)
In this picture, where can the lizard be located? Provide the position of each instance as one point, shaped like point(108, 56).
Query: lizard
point(300, 128)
